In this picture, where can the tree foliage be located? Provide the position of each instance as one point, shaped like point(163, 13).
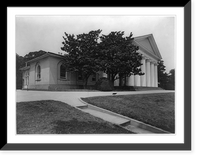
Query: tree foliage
point(34, 54)
point(171, 80)
point(19, 63)
point(165, 80)
point(82, 52)
point(114, 54)
point(162, 75)
point(119, 56)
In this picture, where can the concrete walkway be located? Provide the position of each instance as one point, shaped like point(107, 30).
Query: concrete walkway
point(71, 98)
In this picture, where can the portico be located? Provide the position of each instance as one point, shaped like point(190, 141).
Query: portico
point(150, 58)
point(150, 77)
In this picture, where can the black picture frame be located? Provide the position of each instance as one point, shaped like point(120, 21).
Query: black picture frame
point(4, 145)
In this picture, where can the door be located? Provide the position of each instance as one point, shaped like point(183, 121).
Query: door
point(26, 80)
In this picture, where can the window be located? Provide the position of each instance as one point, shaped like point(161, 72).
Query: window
point(62, 71)
point(38, 72)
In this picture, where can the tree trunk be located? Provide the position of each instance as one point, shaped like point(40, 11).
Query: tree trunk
point(112, 79)
point(125, 80)
point(86, 82)
point(108, 76)
point(120, 79)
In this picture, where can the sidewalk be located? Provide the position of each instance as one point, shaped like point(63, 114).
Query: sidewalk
point(71, 98)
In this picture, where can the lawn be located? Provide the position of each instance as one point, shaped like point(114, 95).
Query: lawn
point(54, 117)
point(154, 109)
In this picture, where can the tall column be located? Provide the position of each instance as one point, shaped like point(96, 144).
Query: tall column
point(156, 75)
point(143, 77)
point(152, 74)
point(105, 74)
point(148, 79)
point(137, 80)
point(130, 80)
point(116, 82)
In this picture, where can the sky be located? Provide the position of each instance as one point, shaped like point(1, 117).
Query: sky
point(34, 33)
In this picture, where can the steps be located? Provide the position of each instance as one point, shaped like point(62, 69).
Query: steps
point(105, 116)
point(146, 88)
point(122, 121)
point(137, 130)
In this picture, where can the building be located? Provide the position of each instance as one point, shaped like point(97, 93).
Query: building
point(47, 72)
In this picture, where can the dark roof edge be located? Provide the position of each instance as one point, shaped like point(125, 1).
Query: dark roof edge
point(24, 68)
point(45, 55)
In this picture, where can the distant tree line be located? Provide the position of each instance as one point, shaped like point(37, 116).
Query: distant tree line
point(165, 80)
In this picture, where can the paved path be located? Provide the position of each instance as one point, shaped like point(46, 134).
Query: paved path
point(71, 98)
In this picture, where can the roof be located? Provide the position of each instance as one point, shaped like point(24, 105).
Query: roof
point(24, 68)
point(45, 55)
point(148, 44)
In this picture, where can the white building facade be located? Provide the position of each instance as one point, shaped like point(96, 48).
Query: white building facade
point(150, 58)
point(46, 71)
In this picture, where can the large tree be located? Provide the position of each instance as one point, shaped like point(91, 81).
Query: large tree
point(82, 53)
point(118, 55)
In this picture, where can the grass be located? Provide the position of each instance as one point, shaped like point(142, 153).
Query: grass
point(154, 109)
point(54, 117)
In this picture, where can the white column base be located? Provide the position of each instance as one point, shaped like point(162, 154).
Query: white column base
point(105, 75)
point(116, 82)
point(130, 80)
point(143, 77)
point(156, 75)
point(152, 75)
point(148, 79)
point(137, 80)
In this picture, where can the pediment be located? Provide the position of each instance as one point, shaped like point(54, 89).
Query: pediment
point(147, 43)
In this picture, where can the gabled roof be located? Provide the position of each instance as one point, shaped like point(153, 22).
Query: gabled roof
point(147, 43)
point(44, 56)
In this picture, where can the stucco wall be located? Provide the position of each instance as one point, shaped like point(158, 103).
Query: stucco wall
point(50, 75)
point(33, 83)
point(44, 64)
point(54, 75)
point(53, 70)
point(32, 74)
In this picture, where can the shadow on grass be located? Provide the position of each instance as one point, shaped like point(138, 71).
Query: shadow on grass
point(54, 117)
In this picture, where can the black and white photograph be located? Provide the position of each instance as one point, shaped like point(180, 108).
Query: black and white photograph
point(98, 78)
point(95, 74)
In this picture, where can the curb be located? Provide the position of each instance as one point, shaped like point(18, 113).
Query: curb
point(133, 122)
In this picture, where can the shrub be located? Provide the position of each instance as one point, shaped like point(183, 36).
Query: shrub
point(104, 84)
